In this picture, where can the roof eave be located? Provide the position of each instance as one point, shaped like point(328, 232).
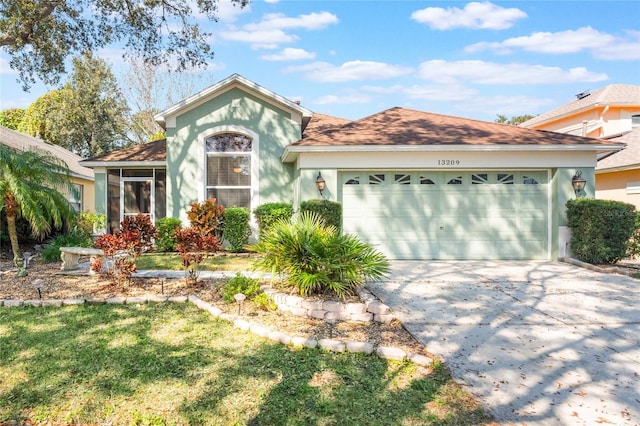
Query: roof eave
point(618, 169)
point(92, 164)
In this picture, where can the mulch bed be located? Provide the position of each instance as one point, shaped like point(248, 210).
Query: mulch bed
point(55, 285)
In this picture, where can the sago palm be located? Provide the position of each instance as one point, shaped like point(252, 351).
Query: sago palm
point(30, 184)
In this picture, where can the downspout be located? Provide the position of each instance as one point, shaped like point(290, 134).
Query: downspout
point(604, 111)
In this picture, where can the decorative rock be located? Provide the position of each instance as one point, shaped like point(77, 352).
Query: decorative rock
point(116, 300)
point(359, 347)
point(378, 308)
point(385, 319)
point(179, 299)
point(136, 300)
point(278, 336)
point(299, 312)
point(68, 302)
point(317, 313)
point(355, 308)
point(333, 306)
point(242, 324)
point(304, 341)
point(419, 359)
point(154, 298)
point(312, 305)
point(95, 301)
point(32, 303)
point(388, 352)
point(227, 317)
point(215, 311)
point(52, 302)
point(332, 345)
point(283, 307)
point(13, 303)
point(294, 301)
point(259, 330)
point(366, 317)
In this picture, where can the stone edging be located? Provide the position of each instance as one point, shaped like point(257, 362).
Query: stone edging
point(385, 352)
point(589, 266)
point(370, 309)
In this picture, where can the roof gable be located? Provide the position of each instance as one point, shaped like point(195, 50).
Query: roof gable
point(627, 158)
point(151, 153)
point(613, 95)
point(20, 141)
point(167, 117)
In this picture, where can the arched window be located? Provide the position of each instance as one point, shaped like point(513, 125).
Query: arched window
point(229, 169)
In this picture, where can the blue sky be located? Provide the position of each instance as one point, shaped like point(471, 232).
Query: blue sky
point(471, 59)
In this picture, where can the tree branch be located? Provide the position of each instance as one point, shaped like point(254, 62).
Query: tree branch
point(25, 30)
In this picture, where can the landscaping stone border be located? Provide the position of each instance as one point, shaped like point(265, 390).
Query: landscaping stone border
point(369, 309)
point(330, 345)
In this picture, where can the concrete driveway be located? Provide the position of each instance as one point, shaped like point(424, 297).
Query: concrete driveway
point(536, 342)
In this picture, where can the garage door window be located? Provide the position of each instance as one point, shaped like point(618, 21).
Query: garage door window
point(377, 179)
point(455, 181)
point(505, 178)
point(479, 179)
point(402, 179)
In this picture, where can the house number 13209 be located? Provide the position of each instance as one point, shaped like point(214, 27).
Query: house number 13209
point(448, 162)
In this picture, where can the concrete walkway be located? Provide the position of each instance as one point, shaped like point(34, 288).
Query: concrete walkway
point(537, 342)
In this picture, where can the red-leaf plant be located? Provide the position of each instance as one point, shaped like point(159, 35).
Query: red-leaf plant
point(194, 248)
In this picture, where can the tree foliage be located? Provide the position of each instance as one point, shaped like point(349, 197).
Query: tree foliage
point(515, 120)
point(40, 35)
point(11, 118)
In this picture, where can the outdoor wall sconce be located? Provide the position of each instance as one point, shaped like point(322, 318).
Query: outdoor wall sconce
point(578, 183)
point(321, 184)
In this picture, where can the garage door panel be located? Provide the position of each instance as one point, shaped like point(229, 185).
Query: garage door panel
point(488, 215)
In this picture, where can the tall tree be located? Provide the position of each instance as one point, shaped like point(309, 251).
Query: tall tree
point(87, 115)
point(11, 118)
point(515, 120)
point(40, 35)
point(29, 188)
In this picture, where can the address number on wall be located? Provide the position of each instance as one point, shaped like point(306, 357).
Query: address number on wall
point(448, 162)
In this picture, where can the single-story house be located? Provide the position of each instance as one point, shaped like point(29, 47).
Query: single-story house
point(414, 184)
point(83, 197)
point(611, 112)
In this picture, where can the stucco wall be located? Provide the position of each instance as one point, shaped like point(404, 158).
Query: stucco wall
point(272, 129)
point(612, 186)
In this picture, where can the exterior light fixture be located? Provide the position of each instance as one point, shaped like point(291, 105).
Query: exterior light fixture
point(37, 284)
point(162, 278)
point(321, 184)
point(578, 183)
point(239, 299)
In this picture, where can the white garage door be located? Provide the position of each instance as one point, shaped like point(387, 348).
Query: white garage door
point(449, 215)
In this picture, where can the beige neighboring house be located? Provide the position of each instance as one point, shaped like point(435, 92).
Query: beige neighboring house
point(613, 113)
point(81, 177)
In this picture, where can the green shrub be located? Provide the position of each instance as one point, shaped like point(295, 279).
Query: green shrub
point(269, 213)
point(248, 286)
point(265, 302)
point(633, 249)
point(236, 228)
point(600, 229)
point(317, 258)
point(329, 211)
point(51, 252)
point(86, 223)
point(166, 240)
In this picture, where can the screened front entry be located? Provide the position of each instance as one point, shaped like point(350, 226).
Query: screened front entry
point(450, 215)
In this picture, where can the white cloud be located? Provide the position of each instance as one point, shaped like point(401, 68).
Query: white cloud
point(352, 98)
point(481, 72)
point(312, 21)
point(505, 105)
point(440, 92)
point(602, 45)
point(289, 54)
point(269, 39)
point(229, 12)
point(5, 69)
point(349, 71)
point(475, 15)
point(271, 1)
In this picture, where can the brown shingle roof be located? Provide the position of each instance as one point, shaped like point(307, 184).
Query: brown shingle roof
point(625, 158)
point(613, 94)
point(150, 151)
point(322, 123)
point(20, 141)
point(401, 126)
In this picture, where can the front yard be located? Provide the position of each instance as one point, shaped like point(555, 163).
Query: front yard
point(173, 364)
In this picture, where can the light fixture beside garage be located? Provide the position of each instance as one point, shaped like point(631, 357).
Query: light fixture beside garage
point(578, 183)
point(320, 184)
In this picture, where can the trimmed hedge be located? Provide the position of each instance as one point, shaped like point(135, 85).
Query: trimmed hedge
point(236, 228)
point(600, 229)
point(166, 240)
point(329, 211)
point(269, 213)
point(633, 250)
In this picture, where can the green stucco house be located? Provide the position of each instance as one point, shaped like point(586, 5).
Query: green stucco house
point(414, 184)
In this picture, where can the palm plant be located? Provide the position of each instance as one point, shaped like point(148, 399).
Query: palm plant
point(316, 258)
point(30, 184)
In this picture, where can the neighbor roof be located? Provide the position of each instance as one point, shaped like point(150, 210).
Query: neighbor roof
point(400, 126)
point(150, 154)
point(22, 142)
point(628, 158)
point(613, 94)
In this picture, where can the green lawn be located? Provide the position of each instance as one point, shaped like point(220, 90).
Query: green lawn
point(172, 261)
point(173, 364)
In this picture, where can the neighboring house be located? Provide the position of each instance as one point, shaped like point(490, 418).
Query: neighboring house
point(83, 198)
point(612, 112)
point(414, 184)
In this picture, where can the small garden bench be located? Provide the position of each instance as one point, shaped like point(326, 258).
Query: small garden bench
point(71, 256)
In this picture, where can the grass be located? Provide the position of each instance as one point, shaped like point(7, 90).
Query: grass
point(172, 261)
point(172, 364)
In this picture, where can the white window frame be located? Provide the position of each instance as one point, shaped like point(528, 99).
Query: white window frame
point(77, 189)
